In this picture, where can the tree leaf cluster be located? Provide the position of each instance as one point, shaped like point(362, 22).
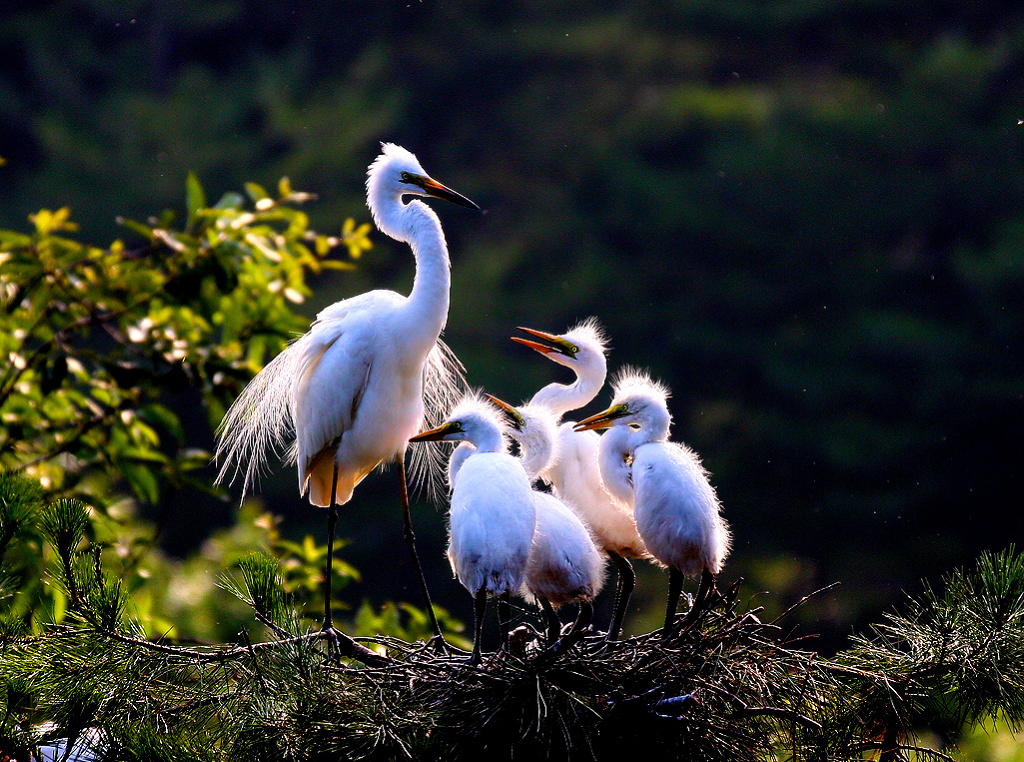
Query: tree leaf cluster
point(98, 341)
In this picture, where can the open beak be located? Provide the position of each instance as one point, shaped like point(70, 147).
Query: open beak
point(603, 419)
point(513, 415)
point(436, 434)
point(555, 344)
point(433, 188)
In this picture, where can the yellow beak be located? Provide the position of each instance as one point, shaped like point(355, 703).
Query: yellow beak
point(555, 343)
point(603, 419)
point(435, 434)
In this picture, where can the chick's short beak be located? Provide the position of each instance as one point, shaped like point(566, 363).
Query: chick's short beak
point(513, 415)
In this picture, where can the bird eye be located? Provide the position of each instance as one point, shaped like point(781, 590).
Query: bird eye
point(406, 177)
point(573, 348)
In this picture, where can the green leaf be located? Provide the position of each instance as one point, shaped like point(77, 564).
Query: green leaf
point(195, 199)
point(142, 455)
point(142, 481)
point(158, 415)
point(256, 192)
point(230, 200)
point(136, 227)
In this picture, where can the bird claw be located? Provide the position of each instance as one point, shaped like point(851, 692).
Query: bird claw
point(333, 643)
point(438, 645)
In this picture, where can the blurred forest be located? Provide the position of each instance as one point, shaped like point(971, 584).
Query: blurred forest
point(805, 216)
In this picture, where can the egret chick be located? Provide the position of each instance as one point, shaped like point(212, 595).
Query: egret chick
point(575, 477)
point(358, 384)
point(493, 515)
point(677, 511)
point(565, 565)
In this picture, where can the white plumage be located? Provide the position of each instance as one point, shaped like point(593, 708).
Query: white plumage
point(677, 511)
point(351, 391)
point(493, 514)
point(565, 564)
point(357, 385)
point(575, 476)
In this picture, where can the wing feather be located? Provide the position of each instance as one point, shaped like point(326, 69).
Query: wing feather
point(444, 384)
point(265, 417)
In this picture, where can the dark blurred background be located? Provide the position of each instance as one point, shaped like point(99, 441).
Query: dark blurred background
point(805, 216)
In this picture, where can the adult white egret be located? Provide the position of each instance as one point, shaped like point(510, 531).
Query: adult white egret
point(575, 476)
point(356, 386)
point(492, 510)
point(565, 565)
point(676, 508)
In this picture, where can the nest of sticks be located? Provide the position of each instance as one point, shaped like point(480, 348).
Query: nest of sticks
point(722, 685)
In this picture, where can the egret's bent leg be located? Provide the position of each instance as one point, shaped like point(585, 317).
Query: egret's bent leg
point(626, 581)
point(504, 618)
point(554, 623)
point(584, 617)
point(410, 540)
point(479, 609)
point(675, 588)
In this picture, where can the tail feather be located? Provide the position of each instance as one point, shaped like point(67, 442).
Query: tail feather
point(444, 383)
point(259, 422)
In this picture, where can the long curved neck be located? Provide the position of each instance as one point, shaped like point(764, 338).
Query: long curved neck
point(459, 456)
point(431, 288)
point(562, 398)
point(416, 223)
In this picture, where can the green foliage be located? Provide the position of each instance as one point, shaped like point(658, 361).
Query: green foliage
point(726, 686)
point(104, 348)
point(20, 499)
point(950, 661)
point(98, 338)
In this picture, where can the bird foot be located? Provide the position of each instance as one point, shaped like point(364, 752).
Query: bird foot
point(438, 645)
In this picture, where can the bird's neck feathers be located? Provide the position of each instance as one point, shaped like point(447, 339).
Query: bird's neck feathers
point(563, 398)
point(488, 439)
point(416, 223)
point(654, 425)
point(615, 456)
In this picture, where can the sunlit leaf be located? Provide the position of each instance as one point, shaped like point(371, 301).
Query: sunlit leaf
point(195, 199)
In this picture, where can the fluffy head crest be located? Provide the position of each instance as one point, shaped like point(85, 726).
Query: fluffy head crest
point(387, 168)
point(588, 333)
point(475, 407)
point(635, 382)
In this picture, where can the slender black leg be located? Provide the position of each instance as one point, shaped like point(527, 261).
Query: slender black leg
point(623, 590)
point(675, 589)
point(554, 623)
point(410, 541)
point(584, 617)
point(702, 600)
point(707, 584)
point(332, 523)
point(504, 618)
point(338, 643)
point(479, 609)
